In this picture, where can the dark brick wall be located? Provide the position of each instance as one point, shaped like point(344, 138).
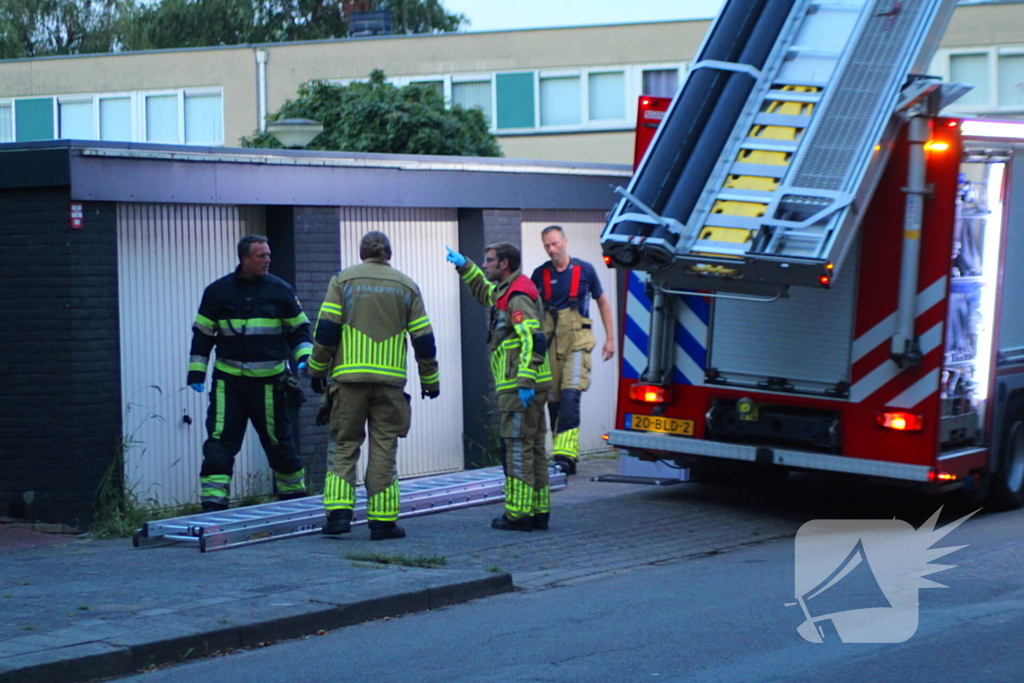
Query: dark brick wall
point(316, 232)
point(60, 398)
point(477, 229)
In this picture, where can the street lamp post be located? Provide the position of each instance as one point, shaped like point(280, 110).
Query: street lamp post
point(295, 133)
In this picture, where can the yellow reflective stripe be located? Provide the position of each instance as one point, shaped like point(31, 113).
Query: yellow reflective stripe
point(197, 367)
point(328, 307)
point(384, 506)
point(218, 398)
point(315, 365)
point(303, 349)
point(251, 322)
point(541, 500)
point(418, 324)
point(268, 410)
point(250, 372)
point(300, 319)
point(338, 493)
point(430, 379)
point(373, 369)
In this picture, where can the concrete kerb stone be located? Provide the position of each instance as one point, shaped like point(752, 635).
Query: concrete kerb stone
point(178, 637)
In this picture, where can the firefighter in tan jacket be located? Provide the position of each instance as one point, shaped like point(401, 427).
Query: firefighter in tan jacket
point(522, 376)
point(360, 343)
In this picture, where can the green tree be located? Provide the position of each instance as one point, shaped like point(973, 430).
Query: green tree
point(199, 23)
point(378, 117)
point(40, 28)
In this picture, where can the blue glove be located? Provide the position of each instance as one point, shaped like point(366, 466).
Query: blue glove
point(455, 257)
point(302, 369)
point(526, 396)
point(198, 386)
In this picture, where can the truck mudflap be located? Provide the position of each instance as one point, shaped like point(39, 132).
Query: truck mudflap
point(662, 443)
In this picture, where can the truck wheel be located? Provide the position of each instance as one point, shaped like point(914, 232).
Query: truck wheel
point(1007, 485)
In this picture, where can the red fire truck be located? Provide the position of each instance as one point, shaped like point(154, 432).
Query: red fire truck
point(841, 290)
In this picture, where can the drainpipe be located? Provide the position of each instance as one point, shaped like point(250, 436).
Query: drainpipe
point(262, 56)
point(661, 342)
point(906, 347)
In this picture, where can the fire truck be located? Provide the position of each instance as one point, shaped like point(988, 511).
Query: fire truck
point(822, 272)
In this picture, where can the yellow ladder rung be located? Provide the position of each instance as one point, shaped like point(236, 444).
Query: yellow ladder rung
point(752, 182)
point(758, 156)
point(751, 209)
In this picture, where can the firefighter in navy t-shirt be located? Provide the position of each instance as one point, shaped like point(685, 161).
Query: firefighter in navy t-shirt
point(566, 284)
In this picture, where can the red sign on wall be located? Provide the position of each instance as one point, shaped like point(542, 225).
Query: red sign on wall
point(76, 215)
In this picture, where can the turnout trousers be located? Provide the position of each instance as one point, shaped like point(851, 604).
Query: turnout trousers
point(527, 487)
point(386, 410)
point(234, 402)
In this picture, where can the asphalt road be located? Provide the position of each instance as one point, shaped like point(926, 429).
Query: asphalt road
point(715, 616)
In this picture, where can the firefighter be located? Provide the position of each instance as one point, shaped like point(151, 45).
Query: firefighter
point(566, 284)
point(256, 324)
point(360, 342)
point(521, 377)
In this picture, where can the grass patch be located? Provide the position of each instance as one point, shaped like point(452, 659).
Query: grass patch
point(425, 561)
point(495, 570)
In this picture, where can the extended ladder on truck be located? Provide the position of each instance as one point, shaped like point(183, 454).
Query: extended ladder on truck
point(758, 175)
point(286, 519)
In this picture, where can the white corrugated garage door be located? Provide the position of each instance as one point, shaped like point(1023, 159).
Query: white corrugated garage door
point(167, 255)
point(583, 229)
point(418, 238)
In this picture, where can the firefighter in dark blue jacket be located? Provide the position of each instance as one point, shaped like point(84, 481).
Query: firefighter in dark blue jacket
point(256, 324)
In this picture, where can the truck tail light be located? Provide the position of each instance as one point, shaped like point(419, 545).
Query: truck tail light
point(901, 422)
point(607, 260)
point(939, 475)
point(649, 393)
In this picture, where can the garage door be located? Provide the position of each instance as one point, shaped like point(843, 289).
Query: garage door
point(583, 229)
point(167, 255)
point(418, 237)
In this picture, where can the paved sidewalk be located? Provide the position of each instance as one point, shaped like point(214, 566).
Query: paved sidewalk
point(81, 609)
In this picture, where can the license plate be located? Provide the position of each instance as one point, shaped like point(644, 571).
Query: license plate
point(664, 425)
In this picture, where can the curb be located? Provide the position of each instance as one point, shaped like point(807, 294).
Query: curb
point(176, 642)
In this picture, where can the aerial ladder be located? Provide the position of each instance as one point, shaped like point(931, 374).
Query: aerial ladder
point(758, 176)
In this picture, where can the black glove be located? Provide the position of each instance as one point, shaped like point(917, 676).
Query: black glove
point(318, 384)
point(430, 393)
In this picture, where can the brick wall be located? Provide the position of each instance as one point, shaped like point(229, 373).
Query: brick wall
point(316, 233)
point(60, 402)
point(477, 229)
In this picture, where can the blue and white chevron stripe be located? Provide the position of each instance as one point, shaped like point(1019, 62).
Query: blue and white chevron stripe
point(691, 334)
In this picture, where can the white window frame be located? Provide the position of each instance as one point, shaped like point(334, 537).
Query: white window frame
point(133, 121)
point(14, 124)
point(1012, 51)
point(144, 119)
point(200, 92)
point(76, 99)
point(945, 64)
point(483, 77)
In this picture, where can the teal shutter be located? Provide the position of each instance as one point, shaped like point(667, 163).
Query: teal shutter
point(34, 119)
point(515, 100)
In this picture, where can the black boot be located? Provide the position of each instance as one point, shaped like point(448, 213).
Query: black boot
point(214, 507)
point(566, 464)
point(383, 531)
point(292, 496)
point(338, 522)
point(540, 522)
point(506, 524)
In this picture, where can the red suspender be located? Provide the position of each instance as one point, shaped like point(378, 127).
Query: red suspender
point(547, 284)
point(574, 289)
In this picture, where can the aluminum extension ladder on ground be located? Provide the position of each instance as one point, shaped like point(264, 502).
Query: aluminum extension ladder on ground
point(285, 519)
point(806, 153)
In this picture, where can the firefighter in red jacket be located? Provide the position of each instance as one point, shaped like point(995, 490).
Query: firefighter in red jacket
point(522, 376)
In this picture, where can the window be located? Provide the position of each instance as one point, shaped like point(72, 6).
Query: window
point(1011, 80)
point(474, 94)
point(560, 101)
point(162, 118)
point(6, 121)
point(116, 118)
point(514, 94)
point(974, 70)
point(204, 119)
point(660, 82)
point(33, 119)
point(607, 96)
point(76, 120)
